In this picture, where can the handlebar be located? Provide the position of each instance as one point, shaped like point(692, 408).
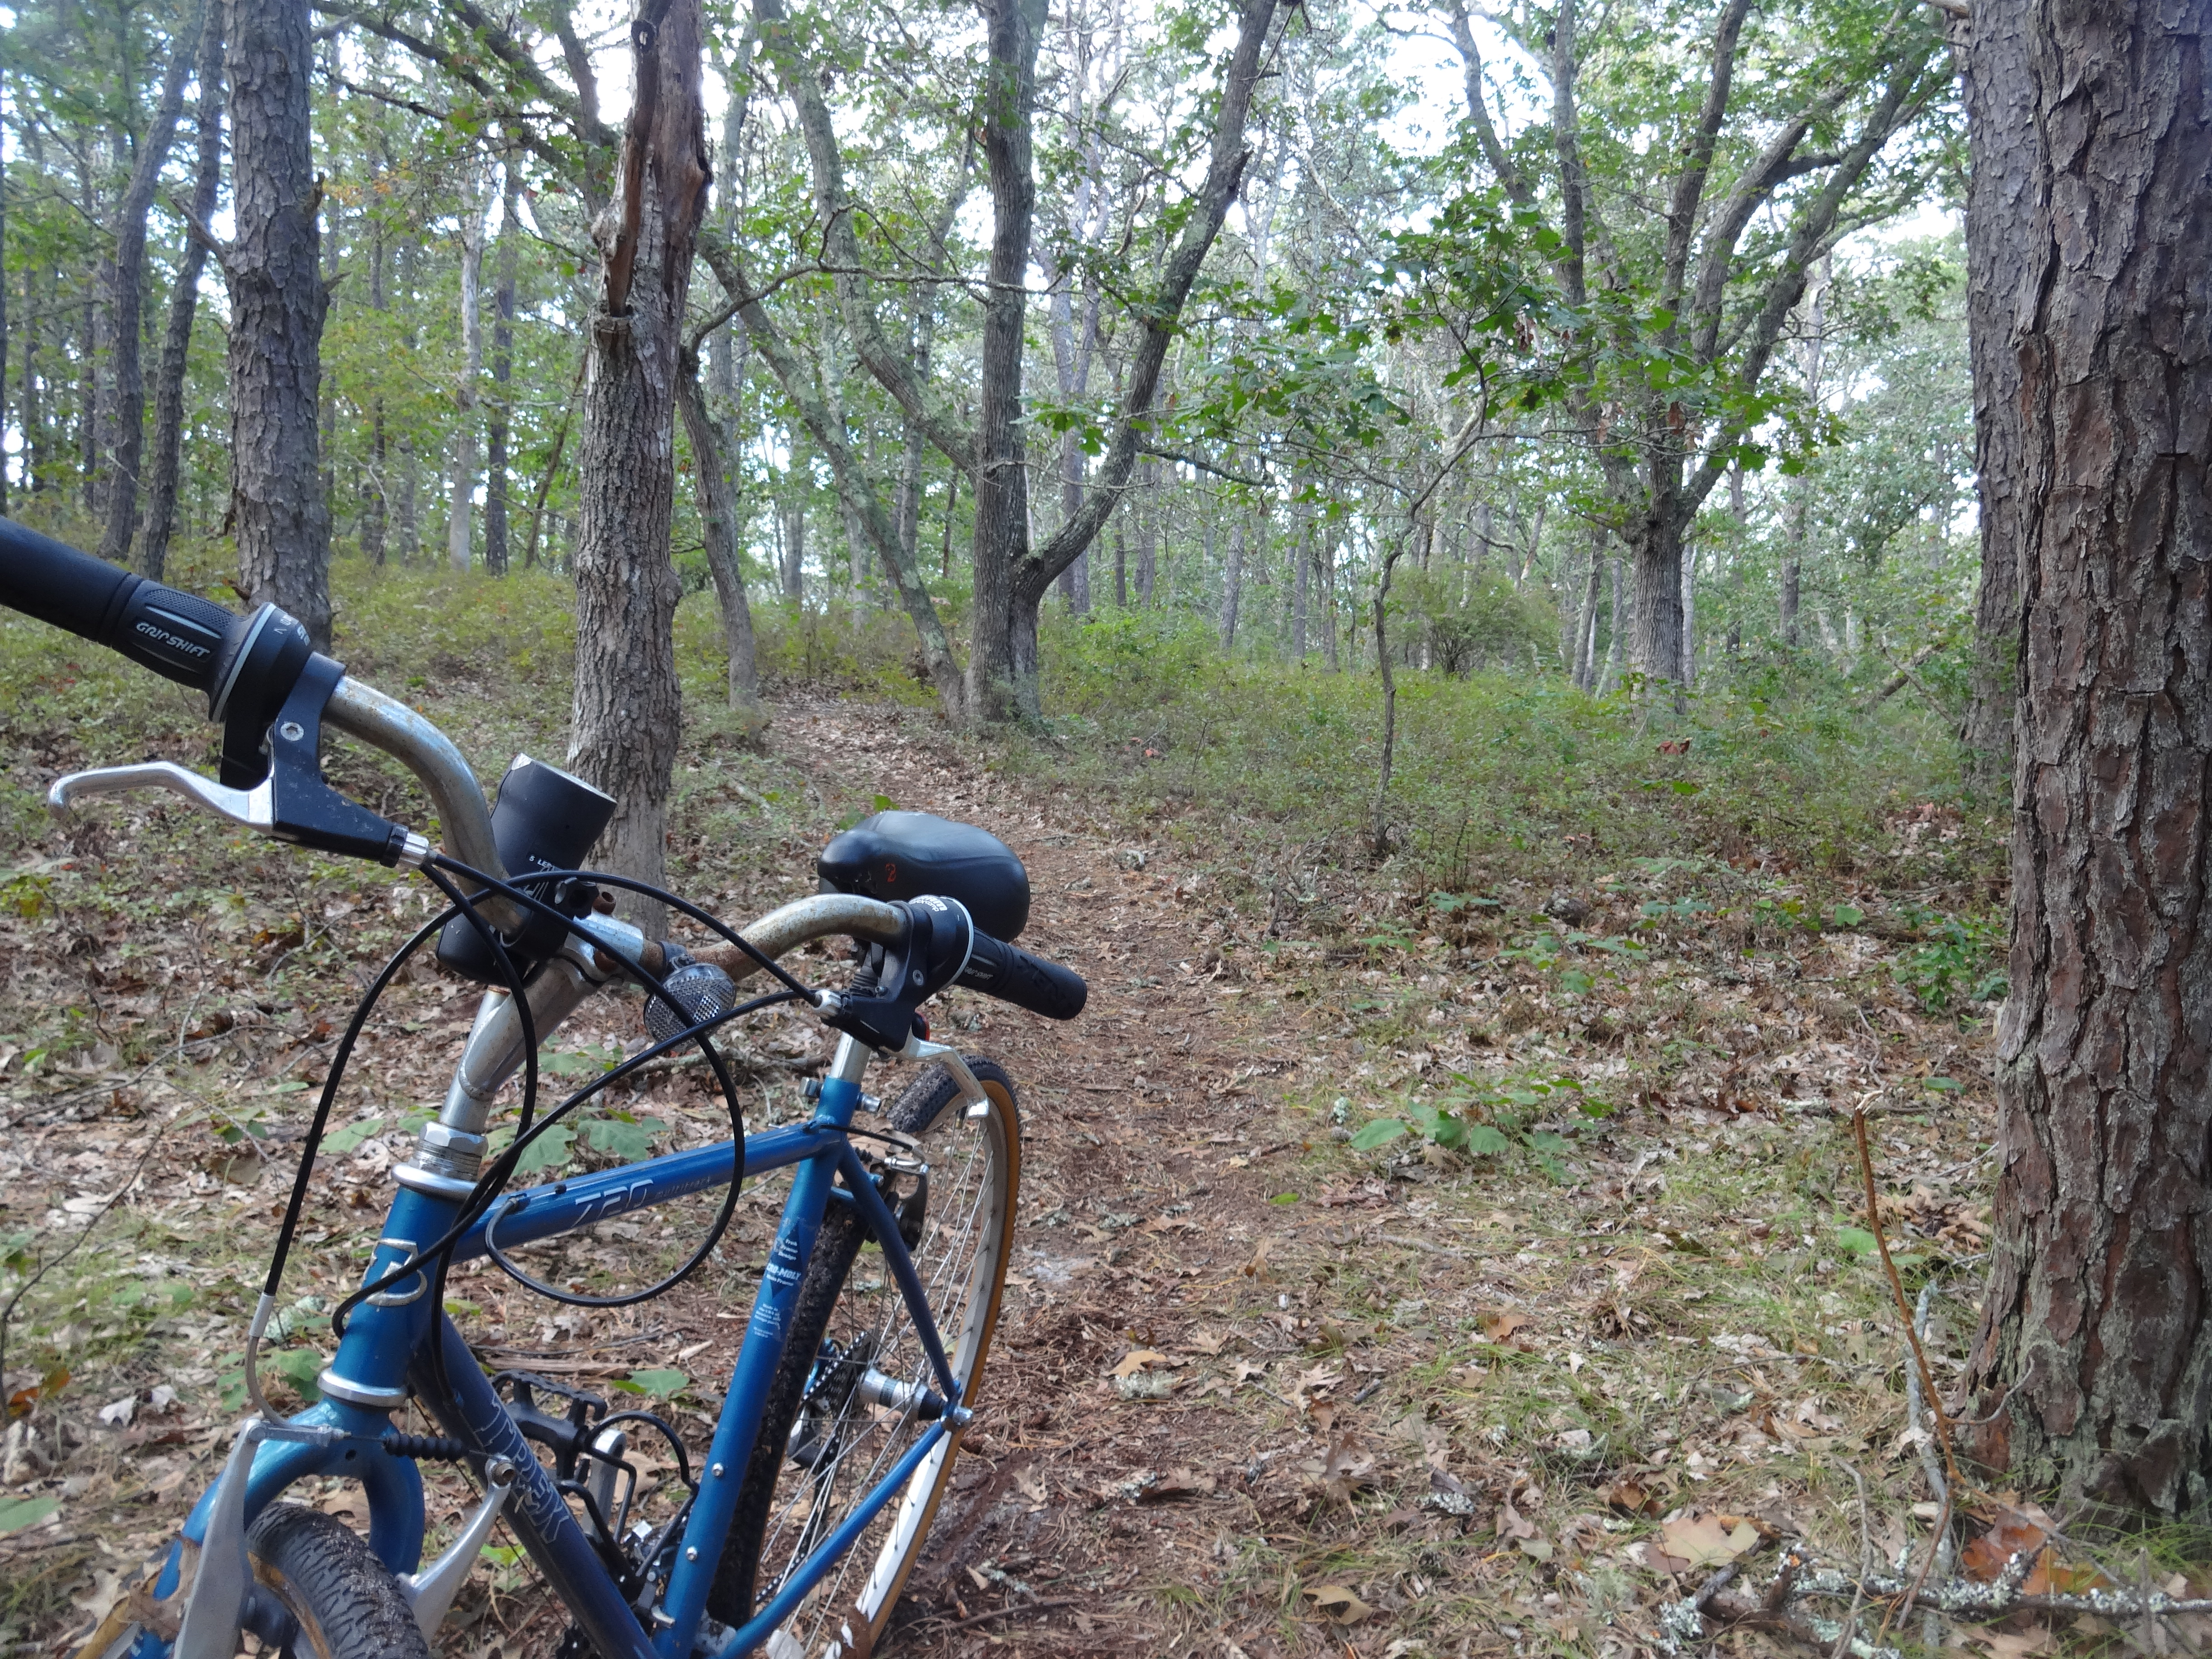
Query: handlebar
point(1012, 974)
point(182, 637)
point(257, 666)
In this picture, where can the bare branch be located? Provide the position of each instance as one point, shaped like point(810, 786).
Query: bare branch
point(1690, 184)
point(841, 247)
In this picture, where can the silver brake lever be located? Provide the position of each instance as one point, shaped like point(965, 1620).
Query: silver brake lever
point(255, 808)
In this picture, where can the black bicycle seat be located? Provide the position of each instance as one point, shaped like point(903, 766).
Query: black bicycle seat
point(905, 855)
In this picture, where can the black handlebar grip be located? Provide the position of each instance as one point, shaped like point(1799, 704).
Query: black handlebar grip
point(1012, 974)
point(173, 634)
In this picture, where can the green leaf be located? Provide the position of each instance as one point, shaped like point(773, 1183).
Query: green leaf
point(622, 1136)
point(1483, 1141)
point(662, 1383)
point(1574, 981)
point(1857, 1240)
point(1544, 1141)
point(549, 1152)
point(1949, 1086)
point(1284, 1198)
point(1377, 1132)
point(301, 1367)
point(1849, 915)
point(345, 1139)
point(885, 804)
point(16, 1513)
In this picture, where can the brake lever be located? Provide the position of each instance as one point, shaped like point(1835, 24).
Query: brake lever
point(292, 802)
point(255, 808)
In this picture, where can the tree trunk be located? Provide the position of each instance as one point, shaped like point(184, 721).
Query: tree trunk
point(1615, 625)
point(1689, 615)
point(1302, 579)
point(713, 458)
point(1001, 643)
point(36, 457)
point(1232, 587)
point(791, 520)
point(2006, 152)
point(1657, 647)
point(1586, 623)
point(459, 535)
point(1148, 530)
point(276, 305)
point(375, 510)
point(2101, 1262)
point(503, 377)
point(124, 277)
point(627, 716)
point(1379, 831)
point(184, 307)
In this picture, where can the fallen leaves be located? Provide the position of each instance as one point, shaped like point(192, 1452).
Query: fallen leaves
point(1138, 1360)
point(1698, 1542)
point(1337, 1604)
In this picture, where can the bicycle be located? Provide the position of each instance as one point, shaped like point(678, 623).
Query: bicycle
point(797, 1527)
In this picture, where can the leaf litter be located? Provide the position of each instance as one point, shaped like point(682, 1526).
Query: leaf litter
point(1640, 1317)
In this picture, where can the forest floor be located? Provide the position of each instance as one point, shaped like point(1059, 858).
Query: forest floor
point(1267, 1382)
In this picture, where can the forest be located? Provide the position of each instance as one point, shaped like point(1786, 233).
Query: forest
point(1394, 351)
point(1588, 615)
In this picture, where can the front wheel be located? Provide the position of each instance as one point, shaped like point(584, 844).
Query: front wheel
point(850, 1398)
point(337, 1601)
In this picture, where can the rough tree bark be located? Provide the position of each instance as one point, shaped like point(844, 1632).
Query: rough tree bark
point(161, 516)
point(276, 305)
point(124, 277)
point(2005, 152)
point(626, 718)
point(2102, 1258)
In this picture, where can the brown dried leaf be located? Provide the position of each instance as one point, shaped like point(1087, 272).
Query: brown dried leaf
point(1138, 1360)
point(1337, 1604)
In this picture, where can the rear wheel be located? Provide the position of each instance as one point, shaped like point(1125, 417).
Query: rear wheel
point(848, 1401)
point(338, 1600)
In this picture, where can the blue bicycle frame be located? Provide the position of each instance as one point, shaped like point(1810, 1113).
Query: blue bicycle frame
point(387, 1349)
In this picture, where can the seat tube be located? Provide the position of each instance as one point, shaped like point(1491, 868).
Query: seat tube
point(738, 1426)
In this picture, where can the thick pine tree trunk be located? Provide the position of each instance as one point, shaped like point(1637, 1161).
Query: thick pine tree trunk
point(276, 305)
point(626, 715)
point(2004, 149)
point(2102, 1257)
point(184, 307)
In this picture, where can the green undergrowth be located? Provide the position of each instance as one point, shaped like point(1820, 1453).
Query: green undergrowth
point(1777, 763)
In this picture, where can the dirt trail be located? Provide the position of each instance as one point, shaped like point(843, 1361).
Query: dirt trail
point(1143, 1201)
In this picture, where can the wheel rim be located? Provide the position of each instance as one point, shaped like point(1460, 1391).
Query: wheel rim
point(961, 1259)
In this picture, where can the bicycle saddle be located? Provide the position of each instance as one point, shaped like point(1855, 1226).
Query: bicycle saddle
point(905, 855)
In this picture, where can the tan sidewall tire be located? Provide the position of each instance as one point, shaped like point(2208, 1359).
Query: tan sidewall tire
point(348, 1603)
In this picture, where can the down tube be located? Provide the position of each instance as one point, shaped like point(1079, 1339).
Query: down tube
point(474, 1414)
